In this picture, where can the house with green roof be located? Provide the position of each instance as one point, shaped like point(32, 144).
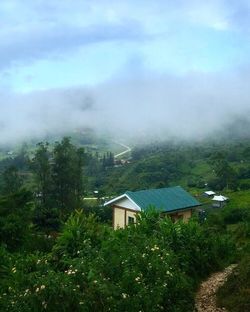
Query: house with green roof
point(173, 201)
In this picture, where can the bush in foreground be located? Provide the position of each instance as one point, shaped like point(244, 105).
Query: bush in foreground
point(152, 266)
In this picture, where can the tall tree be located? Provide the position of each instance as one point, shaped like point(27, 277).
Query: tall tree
point(42, 168)
point(226, 174)
point(67, 174)
point(46, 215)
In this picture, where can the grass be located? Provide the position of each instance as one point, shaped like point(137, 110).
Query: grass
point(238, 199)
point(238, 284)
point(91, 202)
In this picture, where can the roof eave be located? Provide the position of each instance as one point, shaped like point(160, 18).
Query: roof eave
point(181, 209)
point(114, 200)
point(121, 197)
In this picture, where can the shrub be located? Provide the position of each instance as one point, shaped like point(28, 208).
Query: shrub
point(15, 219)
point(235, 215)
point(80, 232)
point(238, 284)
point(154, 265)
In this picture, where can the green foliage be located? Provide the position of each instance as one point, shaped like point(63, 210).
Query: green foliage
point(152, 266)
point(238, 284)
point(103, 213)
point(15, 219)
point(225, 173)
point(236, 215)
point(46, 219)
point(41, 167)
point(221, 165)
point(59, 183)
point(80, 232)
point(67, 175)
point(5, 264)
point(12, 181)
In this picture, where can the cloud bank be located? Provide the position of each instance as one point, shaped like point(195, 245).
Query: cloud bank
point(179, 61)
point(192, 107)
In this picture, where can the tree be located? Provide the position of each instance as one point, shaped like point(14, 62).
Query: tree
point(67, 176)
point(12, 181)
point(15, 218)
point(226, 174)
point(21, 161)
point(108, 160)
point(46, 215)
point(42, 168)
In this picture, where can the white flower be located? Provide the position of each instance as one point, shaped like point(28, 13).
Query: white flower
point(26, 292)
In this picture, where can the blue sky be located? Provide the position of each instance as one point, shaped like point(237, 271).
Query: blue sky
point(63, 43)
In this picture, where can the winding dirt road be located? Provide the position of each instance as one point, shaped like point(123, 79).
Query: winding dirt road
point(128, 149)
point(206, 297)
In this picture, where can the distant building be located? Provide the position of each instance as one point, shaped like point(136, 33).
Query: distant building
point(219, 201)
point(209, 193)
point(173, 201)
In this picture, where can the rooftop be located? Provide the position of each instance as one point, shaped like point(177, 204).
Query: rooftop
point(164, 199)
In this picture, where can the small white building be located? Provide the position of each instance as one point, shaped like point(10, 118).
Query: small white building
point(219, 201)
point(209, 193)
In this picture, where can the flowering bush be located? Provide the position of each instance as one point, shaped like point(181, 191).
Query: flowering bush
point(151, 266)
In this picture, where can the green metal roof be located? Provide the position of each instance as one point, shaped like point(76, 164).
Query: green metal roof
point(164, 199)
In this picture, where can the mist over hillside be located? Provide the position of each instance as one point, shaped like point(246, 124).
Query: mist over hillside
point(194, 106)
point(151, 70)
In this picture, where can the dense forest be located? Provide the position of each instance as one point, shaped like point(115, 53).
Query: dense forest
point(59, 253)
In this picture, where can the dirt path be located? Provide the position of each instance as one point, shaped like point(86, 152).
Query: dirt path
point(206, 296)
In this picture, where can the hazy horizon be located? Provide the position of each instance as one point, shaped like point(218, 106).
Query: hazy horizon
point(137, 69)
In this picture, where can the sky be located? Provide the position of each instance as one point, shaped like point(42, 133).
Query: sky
point(162, 60)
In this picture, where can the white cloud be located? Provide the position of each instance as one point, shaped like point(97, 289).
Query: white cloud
point(193, 106)
point(35, 29)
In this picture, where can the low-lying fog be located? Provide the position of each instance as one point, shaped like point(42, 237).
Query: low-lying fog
point(193, 106)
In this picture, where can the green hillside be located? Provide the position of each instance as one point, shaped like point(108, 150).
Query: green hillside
point(56, 239)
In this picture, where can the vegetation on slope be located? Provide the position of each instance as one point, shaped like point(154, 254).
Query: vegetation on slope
point(235, 294)
point(153, 266)
point(49, 252)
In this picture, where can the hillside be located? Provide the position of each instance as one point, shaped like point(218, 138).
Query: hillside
point(49, 235)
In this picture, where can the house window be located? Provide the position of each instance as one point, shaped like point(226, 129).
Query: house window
point(131, 220)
